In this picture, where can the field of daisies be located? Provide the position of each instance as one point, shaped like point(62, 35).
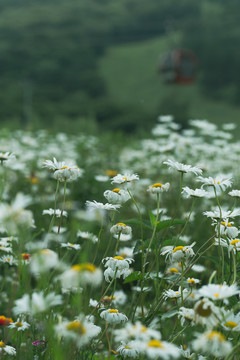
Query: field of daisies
point(120, 251)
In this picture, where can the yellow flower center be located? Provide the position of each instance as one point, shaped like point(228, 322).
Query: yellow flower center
point(230, 324)
point(77, 327)
point(157, 185)
point(71, 244)
point(192, 281)
point(173, 270)
point(127, 347)
point(216, 295)
point(178, 248)
point(108, 298)
point(121, 224)
point(116, 190)
point(18, 324)
point(34, 180)
point(64, 167)
point(226, 224)
point(84, 267)
point(234, 242)
point(118, 258)
point(155, 343)
point(2, 344)
point(111, 172)
point(218, 182)
point(216, 334)
point(45, 252)
point(143, 329)
point(113, 311)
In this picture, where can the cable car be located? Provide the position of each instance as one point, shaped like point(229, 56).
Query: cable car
point(178, 66)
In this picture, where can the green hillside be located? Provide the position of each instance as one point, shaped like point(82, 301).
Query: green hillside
point(131, 76)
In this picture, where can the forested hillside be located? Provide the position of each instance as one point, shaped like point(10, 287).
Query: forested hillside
point(51, 55)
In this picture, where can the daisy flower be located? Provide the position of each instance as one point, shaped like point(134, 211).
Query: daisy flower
point(87, 235)
point(8, 259)
point(226, 228)
point(113, 316)
point(193, 281)
point(128, 350)
point(158, 188)
point(71, 246)
point(81, 330)
point(121, 228)
point(43, 261)
point(234, 193)
point(155, 349)
point(7, 349)
point(62, 171)
point(231, 321)
point(206, 313)
point(225, 214)
point(212, 343)
point(6, 156)
point(56, 212)
point(197, 193)
point(97, 205)
point(219, 182)
point(178, 252)
point(218, 292)
point(136, 331)
point(117, 262)
point(37, 303)
point(182, 167)
point(81, 274)
point(186, 315)
point(19, 325)
point(125, 178)
point(116, 196)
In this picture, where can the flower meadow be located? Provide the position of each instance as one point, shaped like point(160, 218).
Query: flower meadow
point(120, 252)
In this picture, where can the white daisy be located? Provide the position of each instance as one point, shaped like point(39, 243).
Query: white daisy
point(182, 167)
point(218, 183)
point(97, 205)
point(121, 228)
point(7, 349)
point(128, 350)
point(81, 330)
point(19, 325)
point(113, 316)
point(87, 235)
point(218, 292)
point(234, 193)
point(194, 193)
point(116, 196)
point(212, 343)
point(158, 188)
point(125, 178)
point(57, 212)
point(71, 246)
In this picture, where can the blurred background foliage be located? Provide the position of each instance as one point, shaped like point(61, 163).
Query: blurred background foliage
point(93, 64)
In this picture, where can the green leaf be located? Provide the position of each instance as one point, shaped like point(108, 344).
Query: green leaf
point(152, 218)
point(169, 314)
point(166, 223)
point(174, 242)
point(136, 275)
point(137, 222)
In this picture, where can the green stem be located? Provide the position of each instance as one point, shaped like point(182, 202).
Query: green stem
point(187, 218)
point(55, 207)
point(234, 268)
point(64, 198)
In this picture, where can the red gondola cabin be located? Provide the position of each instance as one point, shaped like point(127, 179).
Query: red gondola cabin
point(178, 66)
